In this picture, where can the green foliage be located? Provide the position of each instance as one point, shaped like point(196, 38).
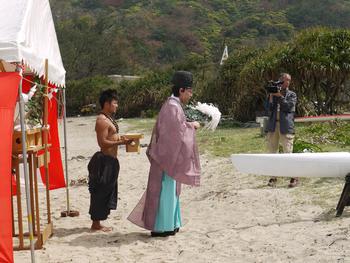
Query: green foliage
point(304, 14)
point(90, 47)
point(317, 137)
point(333, 132)
point(319, 62)
point(34, 107)
point(223, 88)
point(145, 95)
point(273, 25)
point(224, 142)
point(99, 37)
point(150, 113)
point(85, 91)
point(102, 37)
point(142, 97)
point(300, 146)
point(195, 115)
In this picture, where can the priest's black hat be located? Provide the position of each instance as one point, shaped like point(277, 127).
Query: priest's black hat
point(182, 79)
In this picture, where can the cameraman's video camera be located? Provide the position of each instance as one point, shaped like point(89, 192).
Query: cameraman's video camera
point(274, 86)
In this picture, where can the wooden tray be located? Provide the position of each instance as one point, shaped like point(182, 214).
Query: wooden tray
point(135, 145)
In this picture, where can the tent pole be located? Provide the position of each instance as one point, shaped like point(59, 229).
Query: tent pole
point(65, 147)
point(46, 131)
point(68, 212)
point(25, 168)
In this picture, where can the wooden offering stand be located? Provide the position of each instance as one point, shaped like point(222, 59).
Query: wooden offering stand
point(135, 145)
point(33, 138)
point(345, 197)
point(35, 159)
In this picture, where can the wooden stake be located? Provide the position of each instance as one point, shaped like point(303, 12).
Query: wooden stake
point(30, 161)
point(13, 216)
point(345, 197)
point(45, 130)
point(19, 206)
point(2, 68)
point(37, 214)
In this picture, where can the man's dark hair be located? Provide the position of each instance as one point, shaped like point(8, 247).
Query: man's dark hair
point(176, 91)
point(181, 79)
point(107, 96)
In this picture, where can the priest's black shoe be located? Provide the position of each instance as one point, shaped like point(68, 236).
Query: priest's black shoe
point(170, 233)
point(159, 234)
point(163, 234)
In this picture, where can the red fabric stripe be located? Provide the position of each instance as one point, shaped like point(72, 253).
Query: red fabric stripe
point(8, 89)
point(26, 85)
point(55, 166)
point(322, 116)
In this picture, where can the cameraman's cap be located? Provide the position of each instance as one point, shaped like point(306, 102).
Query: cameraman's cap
point(182, 79)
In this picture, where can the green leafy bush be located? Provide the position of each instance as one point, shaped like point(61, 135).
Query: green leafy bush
point(195, 115)
point(301, 146)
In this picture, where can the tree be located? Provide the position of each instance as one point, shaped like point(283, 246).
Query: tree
point(319, 62)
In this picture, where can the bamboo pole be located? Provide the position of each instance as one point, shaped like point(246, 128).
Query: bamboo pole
point(37, 214)
point(30, 157)
point(19, 206)
point(65, 148)
point(12, 212)
point(68, 212)
point(25, 168)
point(2, 68)
point(45, 130)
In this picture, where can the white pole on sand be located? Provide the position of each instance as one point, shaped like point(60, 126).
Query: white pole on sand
point(65, 147)
point(25, 168)
point(69, 212)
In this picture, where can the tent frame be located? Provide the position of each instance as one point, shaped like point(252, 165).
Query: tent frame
point(25, 168)
point(48, 230)
point(29, 156)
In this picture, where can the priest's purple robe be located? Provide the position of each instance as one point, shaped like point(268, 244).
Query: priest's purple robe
point(172, 149)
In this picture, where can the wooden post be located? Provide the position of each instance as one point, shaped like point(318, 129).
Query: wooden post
point(30, 160)
point(345, 197)
point(68, 212)
point(13, 216)
point(2, 68)
point(19, 69)
point(39, 243)
point(45, 130)
point(19, 206)
point(42, 233)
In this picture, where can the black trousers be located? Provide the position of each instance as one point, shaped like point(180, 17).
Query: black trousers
point(103, 185)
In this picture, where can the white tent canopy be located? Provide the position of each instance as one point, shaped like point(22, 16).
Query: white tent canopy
point(27, 33)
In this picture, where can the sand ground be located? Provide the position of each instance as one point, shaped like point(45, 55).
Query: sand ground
point(231, 218)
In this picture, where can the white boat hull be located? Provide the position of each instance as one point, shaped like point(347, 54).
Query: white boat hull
point(330, 164)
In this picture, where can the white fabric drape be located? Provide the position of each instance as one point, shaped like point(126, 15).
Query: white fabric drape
point(27, 33)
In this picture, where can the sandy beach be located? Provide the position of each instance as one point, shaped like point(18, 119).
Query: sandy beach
point(231, 218)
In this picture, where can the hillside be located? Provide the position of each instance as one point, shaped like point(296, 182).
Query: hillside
point(132, 37)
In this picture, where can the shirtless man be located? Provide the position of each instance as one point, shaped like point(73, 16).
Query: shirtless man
point(104, 165)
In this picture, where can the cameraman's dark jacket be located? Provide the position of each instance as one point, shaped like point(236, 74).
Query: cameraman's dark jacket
point(287, 112)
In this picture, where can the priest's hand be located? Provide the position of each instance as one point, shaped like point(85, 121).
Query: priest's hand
point(124, 140)
point(196, 125)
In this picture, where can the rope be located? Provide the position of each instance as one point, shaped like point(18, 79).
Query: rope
point(112, 120)
point(60, 103)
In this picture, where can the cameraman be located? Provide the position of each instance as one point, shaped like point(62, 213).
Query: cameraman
point(280, 127)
